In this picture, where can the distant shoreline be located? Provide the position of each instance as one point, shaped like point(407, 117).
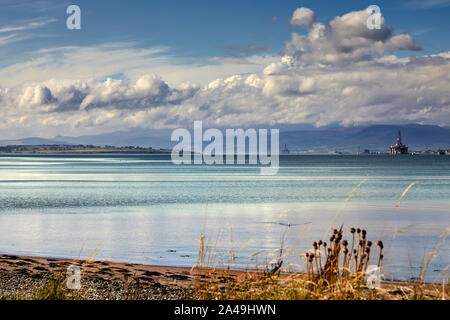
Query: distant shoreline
point(111, 149)
point(85, 152)
point(166, 152)
point(88, 151)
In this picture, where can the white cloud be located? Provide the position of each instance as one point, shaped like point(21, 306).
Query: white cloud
point(346, 38)
point(339, 73)
point(100, 61)
point(303, 17)
point(8, 39)
point(29, 25)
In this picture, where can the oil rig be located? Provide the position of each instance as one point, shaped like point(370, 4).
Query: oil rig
point(399, 147)
point(285, 150)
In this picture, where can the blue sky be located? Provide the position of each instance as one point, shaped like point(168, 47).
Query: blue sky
point(201, 28)
point(164, 64)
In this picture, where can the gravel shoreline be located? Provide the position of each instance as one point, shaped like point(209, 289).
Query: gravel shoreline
point(23, 277)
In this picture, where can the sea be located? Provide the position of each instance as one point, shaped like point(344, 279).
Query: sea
point(142, 208)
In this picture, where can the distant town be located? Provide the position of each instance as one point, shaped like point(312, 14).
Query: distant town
point(50, 149)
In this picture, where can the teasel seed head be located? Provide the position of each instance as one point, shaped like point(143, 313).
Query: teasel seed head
point(368, 250)
point(364, 233)
point(329, 250)
point(324, 244)
point(380, 244)
point(345, 243)
point(352, 230)
point(369, 243)
point(354, 251)
point(332, 238)
point(307, 254)
point(345, 250)
point(335, 231)
point(358, 230)
point(315, 245)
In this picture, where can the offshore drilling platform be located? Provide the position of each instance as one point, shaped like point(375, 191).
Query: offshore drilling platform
point(399, 147)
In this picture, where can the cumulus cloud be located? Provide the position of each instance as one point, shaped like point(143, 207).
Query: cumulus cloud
point(338, 73)
point(149, 91)
point(39, 95)
point(345, 38)
point(303, 17)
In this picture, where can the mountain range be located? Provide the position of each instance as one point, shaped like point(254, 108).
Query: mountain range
point(351, 139)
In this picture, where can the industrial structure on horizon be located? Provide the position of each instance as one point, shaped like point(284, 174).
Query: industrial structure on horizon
point(399, 147)
point(285, 150)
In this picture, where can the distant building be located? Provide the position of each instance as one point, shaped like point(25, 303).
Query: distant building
point(285, 150)
point(399, 147)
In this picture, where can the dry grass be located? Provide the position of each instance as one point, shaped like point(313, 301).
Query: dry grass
point(335, 270)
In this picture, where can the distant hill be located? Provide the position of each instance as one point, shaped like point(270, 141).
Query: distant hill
point(31, 141)
point(121, 139)
point(374, 138)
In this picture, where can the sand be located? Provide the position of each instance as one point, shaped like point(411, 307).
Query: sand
point(21, 277)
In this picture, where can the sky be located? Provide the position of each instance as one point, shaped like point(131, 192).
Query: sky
point(164, 64)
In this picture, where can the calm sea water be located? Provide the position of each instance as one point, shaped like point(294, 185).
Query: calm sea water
point(144, 209)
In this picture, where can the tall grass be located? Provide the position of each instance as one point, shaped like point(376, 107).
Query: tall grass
point(337, 269)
